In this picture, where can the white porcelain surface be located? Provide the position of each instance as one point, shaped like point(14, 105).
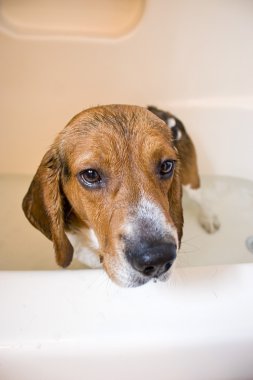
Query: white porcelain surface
point(70, 324)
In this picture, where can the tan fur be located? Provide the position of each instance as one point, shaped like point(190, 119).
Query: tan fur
point(126, 143)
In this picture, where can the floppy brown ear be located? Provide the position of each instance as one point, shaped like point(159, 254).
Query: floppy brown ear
point(43, 206)
point(175, 203)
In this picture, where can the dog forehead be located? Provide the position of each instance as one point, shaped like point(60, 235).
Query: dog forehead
point(124, 119)
point(117, 129)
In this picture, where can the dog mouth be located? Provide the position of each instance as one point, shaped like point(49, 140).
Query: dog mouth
point(136, 279)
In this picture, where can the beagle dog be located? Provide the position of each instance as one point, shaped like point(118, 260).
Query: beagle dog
point(109, 192)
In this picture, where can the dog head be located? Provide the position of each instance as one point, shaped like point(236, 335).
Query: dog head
point(112, 169)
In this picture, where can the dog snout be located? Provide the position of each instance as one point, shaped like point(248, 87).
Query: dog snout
point(151, 259)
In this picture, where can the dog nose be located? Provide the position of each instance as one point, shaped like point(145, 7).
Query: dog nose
point(152, 259)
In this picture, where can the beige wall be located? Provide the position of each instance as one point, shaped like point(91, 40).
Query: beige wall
point(178, 51)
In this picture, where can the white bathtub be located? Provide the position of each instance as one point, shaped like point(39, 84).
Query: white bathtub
point(75, 323)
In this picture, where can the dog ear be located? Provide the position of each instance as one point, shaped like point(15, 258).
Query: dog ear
point(43, 206)
point(175, 203)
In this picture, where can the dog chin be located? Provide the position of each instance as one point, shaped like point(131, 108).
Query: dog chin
point(164, 277)
point(136, 280)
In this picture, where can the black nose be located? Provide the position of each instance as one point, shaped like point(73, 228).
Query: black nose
point(151, 259)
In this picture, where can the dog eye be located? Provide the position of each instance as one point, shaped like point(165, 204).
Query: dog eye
point(90, 177)
point(166, 168)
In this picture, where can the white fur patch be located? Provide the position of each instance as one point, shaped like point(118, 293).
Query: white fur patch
point(207, 219)
point(149, 210)
point(179, 134)
point(171, 122)
point(194, 194)
point(151, 213)
point(86, 246)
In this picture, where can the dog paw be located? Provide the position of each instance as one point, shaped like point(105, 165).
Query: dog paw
point(209, 222)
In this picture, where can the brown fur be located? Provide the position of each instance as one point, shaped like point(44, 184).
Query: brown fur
point(189, 169)
point(125, 142)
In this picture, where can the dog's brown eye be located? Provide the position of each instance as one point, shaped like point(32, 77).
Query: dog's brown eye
point(90, 177)
point(166, 168)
